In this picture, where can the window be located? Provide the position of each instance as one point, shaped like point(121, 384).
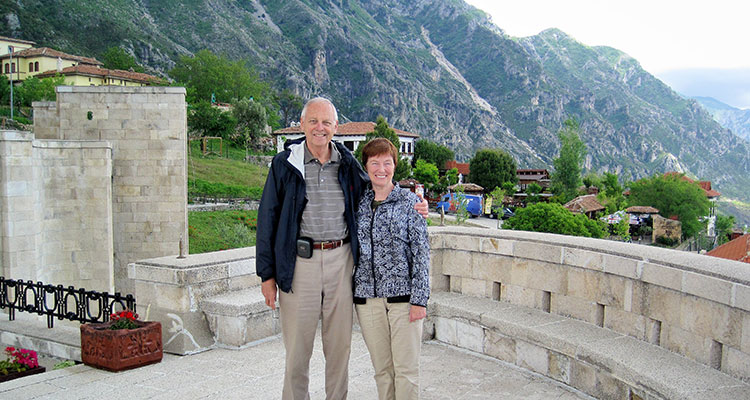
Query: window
point(31, 67)
point(36, 66)
point(13, 67)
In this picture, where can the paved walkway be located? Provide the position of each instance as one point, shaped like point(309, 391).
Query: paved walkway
point(257, 372)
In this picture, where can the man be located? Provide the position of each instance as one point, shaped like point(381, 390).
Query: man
point(312, 191)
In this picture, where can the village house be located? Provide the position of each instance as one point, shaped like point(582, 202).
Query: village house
point(737, 249)
point(587, 205)
point(26, 61)
point(350, 134)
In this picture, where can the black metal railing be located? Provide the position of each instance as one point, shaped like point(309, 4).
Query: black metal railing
point(60, 302)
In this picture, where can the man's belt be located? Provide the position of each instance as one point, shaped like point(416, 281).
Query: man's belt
point(330, 245)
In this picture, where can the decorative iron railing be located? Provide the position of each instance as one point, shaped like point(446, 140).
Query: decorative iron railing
point(60, 302)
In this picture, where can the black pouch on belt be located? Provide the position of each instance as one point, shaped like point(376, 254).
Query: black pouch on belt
point(305, 247)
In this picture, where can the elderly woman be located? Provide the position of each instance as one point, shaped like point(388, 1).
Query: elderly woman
point(391, 282)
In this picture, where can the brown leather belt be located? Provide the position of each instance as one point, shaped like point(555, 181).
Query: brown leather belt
point(330, 245)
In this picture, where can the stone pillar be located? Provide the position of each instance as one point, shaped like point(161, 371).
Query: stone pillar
point(20, 225)
point(75, 181)
point(147, 127)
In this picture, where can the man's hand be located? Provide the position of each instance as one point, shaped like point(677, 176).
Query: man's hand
point(422, 208)
point(268, 288)
point(417, 312)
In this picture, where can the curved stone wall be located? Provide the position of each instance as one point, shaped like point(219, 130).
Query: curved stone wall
point(694, 305)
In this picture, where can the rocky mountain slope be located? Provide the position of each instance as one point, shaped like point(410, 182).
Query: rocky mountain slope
point(732, 118)
point(439, 68)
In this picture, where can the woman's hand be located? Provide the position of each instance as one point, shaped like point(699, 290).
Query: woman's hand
point(417, 312)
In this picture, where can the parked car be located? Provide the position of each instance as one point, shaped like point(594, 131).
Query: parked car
point(502, 212)
point(449, 203)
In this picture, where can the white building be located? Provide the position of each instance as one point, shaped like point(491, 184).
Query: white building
point(350, 135)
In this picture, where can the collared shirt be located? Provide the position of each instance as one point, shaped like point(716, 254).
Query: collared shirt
point(323, 217)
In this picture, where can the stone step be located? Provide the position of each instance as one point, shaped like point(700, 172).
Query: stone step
point(240, 317)
point(593, 359)
point(63, 341)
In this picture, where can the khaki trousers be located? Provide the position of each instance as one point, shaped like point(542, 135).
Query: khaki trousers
point(394, 344)
point(322, 286)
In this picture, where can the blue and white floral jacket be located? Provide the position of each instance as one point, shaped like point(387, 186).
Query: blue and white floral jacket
point(394, 258)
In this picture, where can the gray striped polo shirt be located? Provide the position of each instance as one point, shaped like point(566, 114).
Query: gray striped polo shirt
point(323, 217)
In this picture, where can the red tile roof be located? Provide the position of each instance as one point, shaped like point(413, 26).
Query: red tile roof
point(705, 185)
point(641, 210)
point(102, 73)
point(738, 249)
point(46, 51)
point(463, 168)
point(584, 204)
point(347, 129)
point(467, 187)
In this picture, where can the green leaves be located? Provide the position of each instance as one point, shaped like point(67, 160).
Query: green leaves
point(491, 168)
point(567, 176)
point(554, 218)
point(672, 195)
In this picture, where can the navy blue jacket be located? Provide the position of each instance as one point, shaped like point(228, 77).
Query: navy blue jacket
point(281, 206)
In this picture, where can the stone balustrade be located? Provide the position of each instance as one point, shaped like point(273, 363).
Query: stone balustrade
point(694, 305)
point(613, 319)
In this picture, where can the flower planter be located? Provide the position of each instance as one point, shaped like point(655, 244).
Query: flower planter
point(120, 349)
point(14, 375)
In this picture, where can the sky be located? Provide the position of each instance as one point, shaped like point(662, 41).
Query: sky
point(699, 48)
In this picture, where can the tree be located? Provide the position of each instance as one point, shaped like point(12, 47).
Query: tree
point(403, 169)
point(290, 107)
point(724, 225)
point(4, 90)
point(491, 168)
point(117, 58)
point(672, 195)
point(567, 175)
point(206, 120)
point(554, 218)
point(426, 173)
point(34, 89)
point(206, 76)
point(533, 190)
point(432, 152)
point(610, 193)
point(381, 130)
point(251, 122)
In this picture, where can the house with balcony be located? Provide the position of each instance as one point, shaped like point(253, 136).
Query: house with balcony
point(350, 134)
point(20, 61)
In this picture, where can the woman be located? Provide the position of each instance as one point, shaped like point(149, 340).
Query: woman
point(391, 282)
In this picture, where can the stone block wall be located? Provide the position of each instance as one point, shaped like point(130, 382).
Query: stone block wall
point(56, 216)
point(694, 305)
point(667, 228)
point(147, 130)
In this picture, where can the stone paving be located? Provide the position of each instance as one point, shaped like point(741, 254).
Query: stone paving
point(256, 372)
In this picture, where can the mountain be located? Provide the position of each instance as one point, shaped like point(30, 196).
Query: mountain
point(439, 68)
point(732, 118)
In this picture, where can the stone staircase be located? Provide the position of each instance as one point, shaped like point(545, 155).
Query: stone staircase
point(240, 317)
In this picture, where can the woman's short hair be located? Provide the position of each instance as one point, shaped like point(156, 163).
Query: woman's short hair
point(379, 146)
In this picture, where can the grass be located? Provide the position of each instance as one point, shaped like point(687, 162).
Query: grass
point(221, 230)
point(222, 176)
point(213, 175)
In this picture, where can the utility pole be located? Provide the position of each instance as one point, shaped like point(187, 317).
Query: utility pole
point(10, 51)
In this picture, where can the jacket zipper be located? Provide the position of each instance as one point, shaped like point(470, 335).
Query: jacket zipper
point(372, 251)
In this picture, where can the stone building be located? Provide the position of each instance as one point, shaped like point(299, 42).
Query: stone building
point(99, 184)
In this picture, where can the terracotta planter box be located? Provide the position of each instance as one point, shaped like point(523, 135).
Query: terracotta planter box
point(14, 375)
point(116, 350)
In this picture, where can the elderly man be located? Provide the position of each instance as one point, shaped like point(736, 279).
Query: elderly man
point(307, 247)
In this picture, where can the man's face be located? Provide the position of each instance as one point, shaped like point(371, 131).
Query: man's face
point(319, 125)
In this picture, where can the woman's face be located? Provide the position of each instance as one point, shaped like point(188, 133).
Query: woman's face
point(380, 169)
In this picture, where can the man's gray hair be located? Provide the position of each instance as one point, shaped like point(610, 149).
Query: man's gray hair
point(318, 100)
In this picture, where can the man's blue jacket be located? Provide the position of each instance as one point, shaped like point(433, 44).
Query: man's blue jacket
point(281, 206)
